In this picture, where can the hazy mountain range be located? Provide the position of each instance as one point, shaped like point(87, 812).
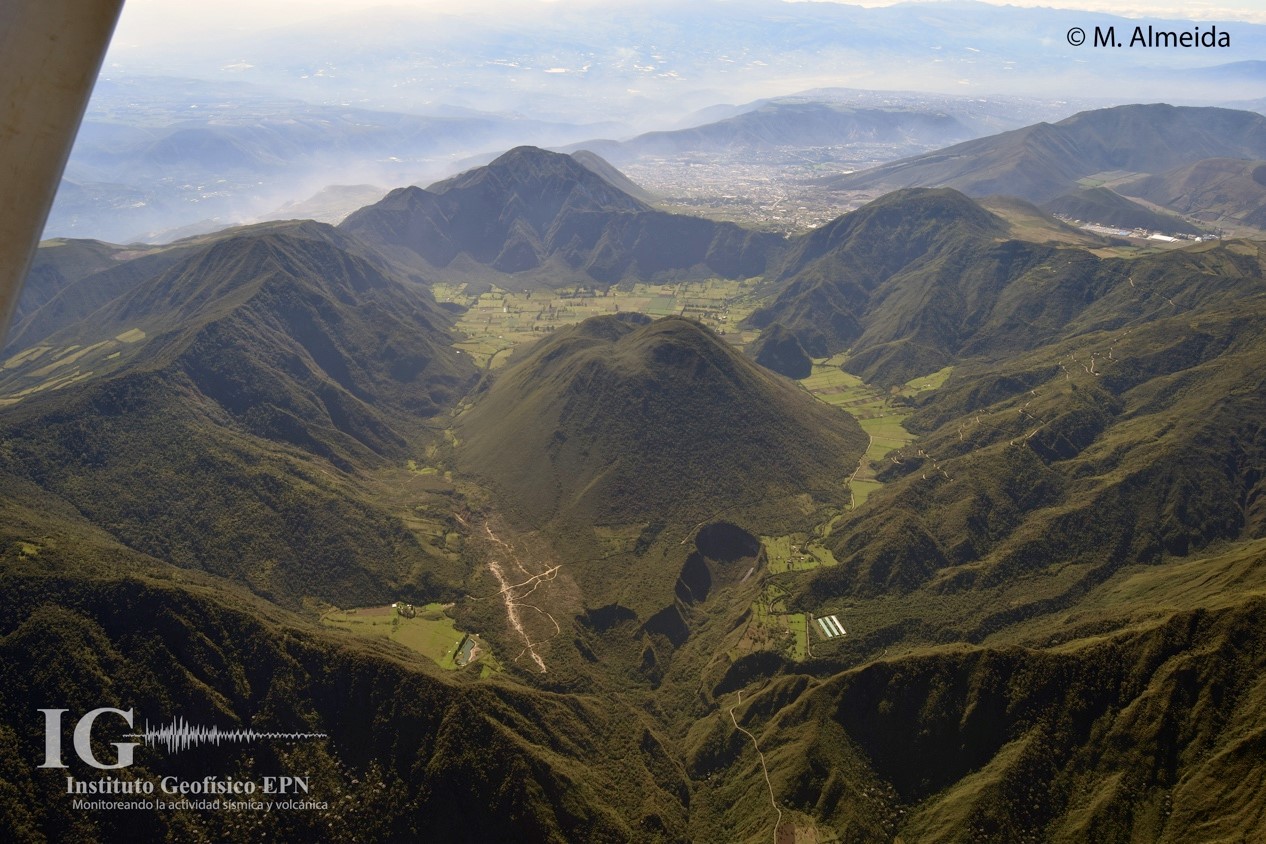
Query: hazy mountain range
point(1042, 161)
point(1081, 166)
point(205, 128)
point(157, 153)
point(159, 158)
point(793, 126)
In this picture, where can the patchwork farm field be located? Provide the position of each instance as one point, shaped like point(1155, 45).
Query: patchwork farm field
point(772, 628)
point(430, 632)
point(788, 553)
point(43, 367)
point(497, 321)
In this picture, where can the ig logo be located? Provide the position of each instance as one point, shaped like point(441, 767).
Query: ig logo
point(83, 739)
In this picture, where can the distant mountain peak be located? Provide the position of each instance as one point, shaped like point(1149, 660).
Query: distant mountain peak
point(553, 220)
point(548, 177)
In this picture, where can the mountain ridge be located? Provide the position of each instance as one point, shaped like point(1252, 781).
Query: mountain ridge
point(775, 124)
point(896, 248)
point(1217, 191)
point(545, 219)
point(1042, 161)
point(264, 361)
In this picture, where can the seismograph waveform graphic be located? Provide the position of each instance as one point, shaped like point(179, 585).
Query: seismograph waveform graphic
point(181, 735)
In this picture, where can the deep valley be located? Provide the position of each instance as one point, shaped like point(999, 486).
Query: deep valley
point(565, 516)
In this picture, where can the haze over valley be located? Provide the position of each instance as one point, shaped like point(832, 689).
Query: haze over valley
point(712, 105)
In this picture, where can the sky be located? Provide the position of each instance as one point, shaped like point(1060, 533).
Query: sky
point(145, 21)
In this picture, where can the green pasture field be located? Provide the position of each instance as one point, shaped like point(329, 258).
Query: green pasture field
point(886, 433)
point(798, 624)
point(823, 555)
point(934, 381)
point(874, 410)
point(58, 367)
point(430, 633)
point(862, 489)
point(783, 555)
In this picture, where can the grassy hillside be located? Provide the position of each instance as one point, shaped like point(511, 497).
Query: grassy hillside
point(59, 262)
point(1229, 193)
point(896, 281)
point(57, 296)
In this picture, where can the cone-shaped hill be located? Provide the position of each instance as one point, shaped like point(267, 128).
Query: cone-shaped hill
point(547, 219)
point(623, 420)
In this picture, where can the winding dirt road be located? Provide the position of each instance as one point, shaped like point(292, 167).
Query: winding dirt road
point(772, 801)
